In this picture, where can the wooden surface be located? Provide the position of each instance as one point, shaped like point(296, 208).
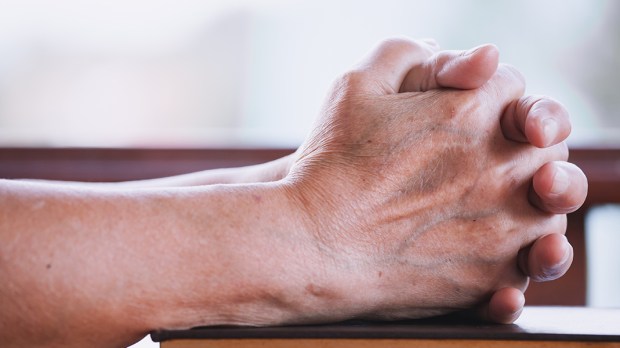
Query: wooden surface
point(538, 326)
point(602, 166)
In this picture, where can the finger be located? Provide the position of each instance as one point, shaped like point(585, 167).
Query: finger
point(482, 107)
point(506, 85)
point(539, 120)
point(504, 307)
point(559, 187)
point(386, 66)
point(548, 258)
point(453, 69)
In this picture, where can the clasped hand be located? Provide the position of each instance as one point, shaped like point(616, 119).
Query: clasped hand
point(432, 183)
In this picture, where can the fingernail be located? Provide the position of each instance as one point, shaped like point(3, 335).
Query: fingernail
point(567, 249)
point(561, 181)
point(517, 312)
point(550, 129)
point(559, 268)
point(566, 256)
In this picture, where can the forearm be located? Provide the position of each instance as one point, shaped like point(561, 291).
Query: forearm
point(264, 172)
point(86, 265)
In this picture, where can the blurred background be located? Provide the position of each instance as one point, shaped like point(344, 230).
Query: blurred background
point(189, 73)
point(253, 73)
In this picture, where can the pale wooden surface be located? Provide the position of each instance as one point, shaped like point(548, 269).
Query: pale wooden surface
point(570, 320)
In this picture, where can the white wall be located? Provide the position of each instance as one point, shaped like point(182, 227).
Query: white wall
point(603, 250)
point(189, 72)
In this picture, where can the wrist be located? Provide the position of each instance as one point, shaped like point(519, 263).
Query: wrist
point(333, 270)
point(270, 171)
point(301, 280)
point(256, 264)
point(356, 269)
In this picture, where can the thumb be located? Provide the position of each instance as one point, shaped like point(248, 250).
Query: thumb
point(453, 69)
point(383, 70)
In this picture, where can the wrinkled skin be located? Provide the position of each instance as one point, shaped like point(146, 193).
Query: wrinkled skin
point(418, 197)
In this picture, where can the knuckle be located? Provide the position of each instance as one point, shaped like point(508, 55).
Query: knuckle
point(550, 106)
point(512, 75)
point(528, 103)
point(395, 42)
point(406, 46)
point(399, 42)
point(491, 188)
point(512, 72)
point(525, 106)
point(351, 80)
